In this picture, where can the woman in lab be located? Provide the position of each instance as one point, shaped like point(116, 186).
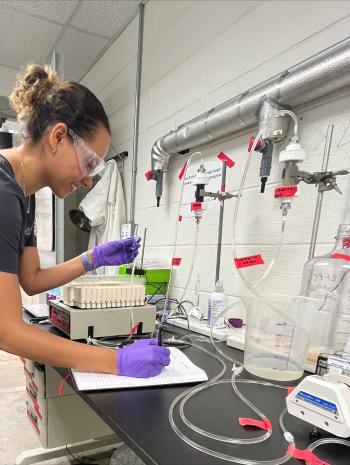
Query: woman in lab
point(66, 137)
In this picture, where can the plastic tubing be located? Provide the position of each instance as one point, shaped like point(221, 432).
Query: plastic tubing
point(263, 277)
point(321, 442)
point(295, 120)
point(219, 437)
point(234, 249)
point(211, 452)
point(165, 312)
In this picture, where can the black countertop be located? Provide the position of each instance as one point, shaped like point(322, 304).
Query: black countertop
point(140, 418)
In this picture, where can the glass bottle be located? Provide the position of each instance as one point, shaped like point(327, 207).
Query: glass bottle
point(326, 278)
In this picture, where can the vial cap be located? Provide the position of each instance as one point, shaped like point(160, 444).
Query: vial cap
point(219, 286)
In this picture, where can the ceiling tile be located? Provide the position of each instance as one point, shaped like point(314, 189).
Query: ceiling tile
point(25, 39)
point(80, 50)
point(56, 10)
point(106, 17)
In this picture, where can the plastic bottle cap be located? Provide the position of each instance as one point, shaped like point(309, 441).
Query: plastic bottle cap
point(293, 152)
point(219, 286)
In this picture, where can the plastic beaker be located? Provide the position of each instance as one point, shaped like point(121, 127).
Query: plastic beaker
point(278, 335)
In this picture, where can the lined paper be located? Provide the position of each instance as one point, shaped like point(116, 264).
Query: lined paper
point(180, 371)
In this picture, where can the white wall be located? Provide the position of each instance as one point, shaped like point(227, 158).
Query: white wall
point(198, 54)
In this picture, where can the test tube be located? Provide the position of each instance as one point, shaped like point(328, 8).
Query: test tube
point(134, 262)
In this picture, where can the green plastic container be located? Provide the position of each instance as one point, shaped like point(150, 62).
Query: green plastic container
point(156, 281)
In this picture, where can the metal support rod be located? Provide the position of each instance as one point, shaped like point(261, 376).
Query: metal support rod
point(143, 248)
point(327, 149)
point(57, 64)
point(137, 112)
point(221, 220)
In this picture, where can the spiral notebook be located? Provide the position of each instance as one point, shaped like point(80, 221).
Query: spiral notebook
point(180, 371)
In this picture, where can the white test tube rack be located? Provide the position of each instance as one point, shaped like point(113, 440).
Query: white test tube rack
point(103, 292)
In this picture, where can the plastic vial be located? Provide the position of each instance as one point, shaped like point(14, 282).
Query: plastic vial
point(326, 278)
point(216, 304)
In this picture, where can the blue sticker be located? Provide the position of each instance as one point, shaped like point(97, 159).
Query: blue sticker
point(321, 403)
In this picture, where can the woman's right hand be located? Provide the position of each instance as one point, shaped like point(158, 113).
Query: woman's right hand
point(116, 253)
point(142, 360)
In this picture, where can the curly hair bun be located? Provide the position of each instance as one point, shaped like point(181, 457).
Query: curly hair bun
point(35, 87)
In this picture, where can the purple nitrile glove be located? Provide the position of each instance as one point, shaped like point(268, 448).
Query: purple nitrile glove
point(142, 360)
point(116, 252)
point(146, 341)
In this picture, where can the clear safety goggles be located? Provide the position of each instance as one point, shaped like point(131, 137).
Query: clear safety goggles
point(90, 163)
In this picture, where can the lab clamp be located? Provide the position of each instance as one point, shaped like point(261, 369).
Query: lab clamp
point(201, 180)
point(273, 126)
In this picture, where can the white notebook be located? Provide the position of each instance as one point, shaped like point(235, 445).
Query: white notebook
point(180, 371)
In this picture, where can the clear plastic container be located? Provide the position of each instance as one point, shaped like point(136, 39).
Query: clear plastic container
point(326, 278)
point(278, 335)
point(216, 304)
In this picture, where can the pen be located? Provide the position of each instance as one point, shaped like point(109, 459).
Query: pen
point(38, 320)
point(160, 337)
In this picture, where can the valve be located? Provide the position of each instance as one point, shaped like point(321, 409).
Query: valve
point(265, 147)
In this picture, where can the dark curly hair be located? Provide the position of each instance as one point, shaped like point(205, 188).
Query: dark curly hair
point(41, 100)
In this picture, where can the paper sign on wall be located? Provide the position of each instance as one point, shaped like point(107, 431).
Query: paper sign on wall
point(213, 169)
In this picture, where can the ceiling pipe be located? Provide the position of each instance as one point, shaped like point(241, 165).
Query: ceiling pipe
point(312, 79)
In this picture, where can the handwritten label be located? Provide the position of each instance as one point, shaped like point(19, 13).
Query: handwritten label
point(285, 191)
point(196, 206)
point(252, 260)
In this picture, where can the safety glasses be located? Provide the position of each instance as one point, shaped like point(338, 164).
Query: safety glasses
point(90, 163)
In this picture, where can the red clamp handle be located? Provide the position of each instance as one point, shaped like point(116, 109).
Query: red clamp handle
point(251, 142)
point(226, 159)
point(148, 175)
point(183, 171)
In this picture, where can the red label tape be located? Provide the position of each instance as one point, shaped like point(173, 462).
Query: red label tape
point(306, 455)
point(196, 206)
point(266, 424)
point(226, 159)
point(341, 256)
point(180, 218)
point(252, 260)
point(176, 261)
point(148, 175)
point(285, 191)
point(183, 171)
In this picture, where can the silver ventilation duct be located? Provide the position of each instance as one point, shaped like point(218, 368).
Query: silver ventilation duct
point(311, 79)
